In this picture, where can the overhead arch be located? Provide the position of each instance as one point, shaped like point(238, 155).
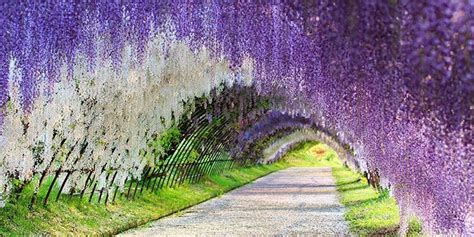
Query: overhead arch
point(95, 82)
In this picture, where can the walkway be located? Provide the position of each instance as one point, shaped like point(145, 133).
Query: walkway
point(294, 201)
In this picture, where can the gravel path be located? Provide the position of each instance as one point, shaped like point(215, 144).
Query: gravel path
point(295, 201)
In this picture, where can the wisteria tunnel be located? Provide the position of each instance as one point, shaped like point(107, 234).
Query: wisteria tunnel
point(109, 100)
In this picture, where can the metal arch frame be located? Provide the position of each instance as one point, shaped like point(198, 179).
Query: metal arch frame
point(205, 157)
point(190, 166)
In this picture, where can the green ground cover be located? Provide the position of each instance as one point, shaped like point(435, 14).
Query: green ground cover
point(369, 212)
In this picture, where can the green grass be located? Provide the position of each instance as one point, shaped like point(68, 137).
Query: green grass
point(367, 211)
point(312, 154)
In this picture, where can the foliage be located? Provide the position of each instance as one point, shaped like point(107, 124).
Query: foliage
point(164, 144)
point(170, 138)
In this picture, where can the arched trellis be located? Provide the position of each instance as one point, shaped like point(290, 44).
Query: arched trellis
point(217, 133)
point(271, 125)
point(229, 127)
point(201, 144)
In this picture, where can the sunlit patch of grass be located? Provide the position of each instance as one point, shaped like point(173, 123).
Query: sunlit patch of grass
point(369, 212)
point(313, 154)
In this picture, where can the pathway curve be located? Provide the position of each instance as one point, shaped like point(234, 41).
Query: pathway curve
point(295, 201)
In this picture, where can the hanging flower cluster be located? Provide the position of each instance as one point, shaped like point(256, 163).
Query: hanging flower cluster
point(393, 79)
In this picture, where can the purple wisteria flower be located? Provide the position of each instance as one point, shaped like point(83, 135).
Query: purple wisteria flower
point(393, 79)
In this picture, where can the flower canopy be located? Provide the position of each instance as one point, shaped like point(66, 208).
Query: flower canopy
point(393, 79)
